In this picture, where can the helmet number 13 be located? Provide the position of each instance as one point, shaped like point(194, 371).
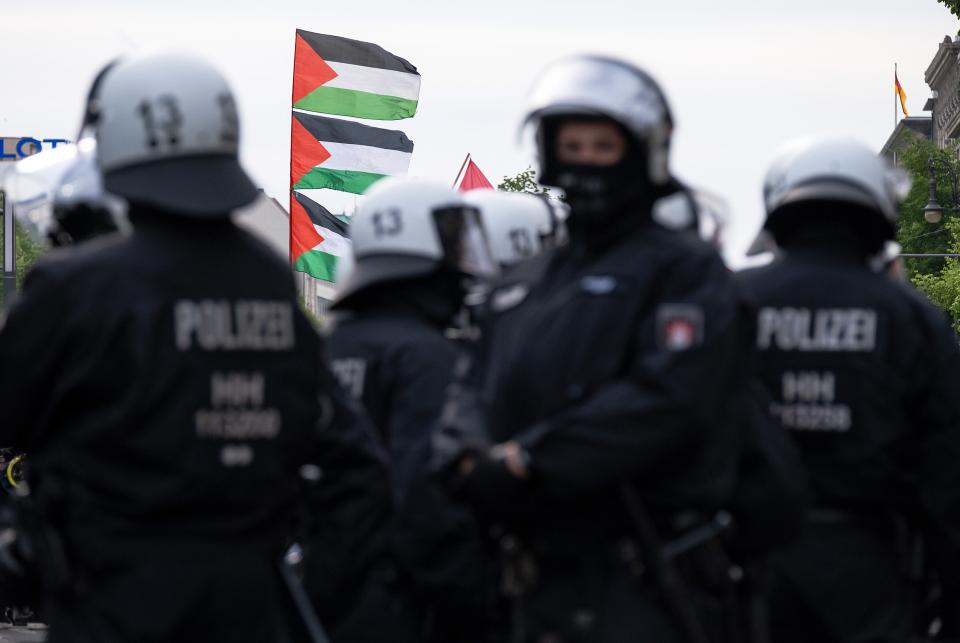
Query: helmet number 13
point(387, 223)
point(162, 120)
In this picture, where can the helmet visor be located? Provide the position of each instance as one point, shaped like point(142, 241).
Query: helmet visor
point(464, 241)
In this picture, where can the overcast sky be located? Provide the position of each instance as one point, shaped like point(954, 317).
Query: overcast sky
point(743, 76)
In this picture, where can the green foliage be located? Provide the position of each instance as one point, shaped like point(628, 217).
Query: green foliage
point(943, 287)
point(913, 232)
point(952, 5)
point(937, 278)
point(28, 252)
point(524, 181)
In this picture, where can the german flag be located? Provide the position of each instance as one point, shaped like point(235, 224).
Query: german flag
point(902, 94)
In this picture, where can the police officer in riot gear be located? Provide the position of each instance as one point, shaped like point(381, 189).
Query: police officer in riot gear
point(172, 397)
point(519, 225)
point(864, 373)
point(415, 244)
point(608, 367)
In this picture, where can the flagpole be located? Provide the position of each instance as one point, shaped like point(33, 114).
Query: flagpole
point(465, 161)
point(293, 80)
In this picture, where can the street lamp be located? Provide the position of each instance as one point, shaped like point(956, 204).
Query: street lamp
point(933, 211)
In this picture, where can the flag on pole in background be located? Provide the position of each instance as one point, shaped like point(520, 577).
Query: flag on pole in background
point(317, 238)
point(343, 155)
point(473, 178)
point(334, 75)
point(902, 94)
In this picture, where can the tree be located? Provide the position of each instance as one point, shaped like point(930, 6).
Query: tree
point(914, 233)
point(937, 278)
point(943, 287)
point(525, 181)
point(28, 252)
point(952, 5)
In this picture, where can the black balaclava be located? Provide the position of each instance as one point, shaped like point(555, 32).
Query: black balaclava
point(601, 198)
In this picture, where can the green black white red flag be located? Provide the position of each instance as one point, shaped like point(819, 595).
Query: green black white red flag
point(343, 155)
point(317, 238)
point(334, 75)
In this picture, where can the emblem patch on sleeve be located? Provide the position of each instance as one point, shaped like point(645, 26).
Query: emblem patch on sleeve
point(679, 326)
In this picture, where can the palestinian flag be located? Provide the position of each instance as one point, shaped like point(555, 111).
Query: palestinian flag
point(334, 75)
point(343, 155)
point(317, 238)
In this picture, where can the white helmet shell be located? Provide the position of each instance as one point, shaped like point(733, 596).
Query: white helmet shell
point(515, 222)
point(601, 86)
point(396, 218)
point(833, 169)
point(168, 135)
point(398, 233)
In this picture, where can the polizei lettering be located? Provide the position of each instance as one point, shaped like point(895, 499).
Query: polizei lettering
point(823, 329)
point(244, 325)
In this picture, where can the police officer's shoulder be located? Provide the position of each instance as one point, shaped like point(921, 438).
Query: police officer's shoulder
point(390, 329)
point(70, 262)
point(259, 249)
point(678, 248)
point(526, 271)
point(405, 346)
point(513, 285)
point(751, 276)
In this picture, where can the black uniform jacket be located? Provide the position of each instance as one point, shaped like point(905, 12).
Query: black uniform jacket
point(864, 373)
point(398, 363)
point(168, 392)
point(613, 362)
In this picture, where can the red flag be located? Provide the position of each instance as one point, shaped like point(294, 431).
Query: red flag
point(473, 179)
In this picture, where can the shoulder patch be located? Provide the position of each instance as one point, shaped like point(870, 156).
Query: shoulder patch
point(679, 326)
point(598, 284)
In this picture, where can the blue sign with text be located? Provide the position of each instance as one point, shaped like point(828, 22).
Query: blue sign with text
point(12, 149)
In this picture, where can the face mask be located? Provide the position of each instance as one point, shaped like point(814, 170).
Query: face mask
point(598, 194)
